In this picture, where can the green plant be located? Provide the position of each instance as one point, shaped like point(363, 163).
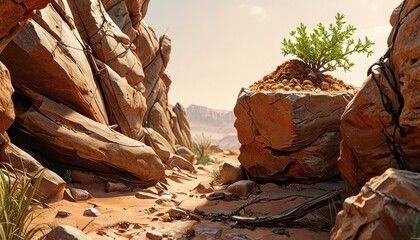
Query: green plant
point(201, 147)
point(215, 175)
point(326, 49)
point(17, 205)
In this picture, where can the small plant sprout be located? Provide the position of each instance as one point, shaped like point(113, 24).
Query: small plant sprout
point(326, 48)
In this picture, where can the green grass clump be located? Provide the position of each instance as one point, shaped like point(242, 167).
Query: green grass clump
point(17, 205)
point(215, 176)
point(201, 147)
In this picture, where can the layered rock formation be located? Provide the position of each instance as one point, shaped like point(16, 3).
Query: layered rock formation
point(14, 17)
point(289, 135)
point(89, 75)
point(372, 140)
point(387, 207)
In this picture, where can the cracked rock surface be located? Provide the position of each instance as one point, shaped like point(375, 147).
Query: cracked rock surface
point(286, 135)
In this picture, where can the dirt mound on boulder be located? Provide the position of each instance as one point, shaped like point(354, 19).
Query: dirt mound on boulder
point(295, 75)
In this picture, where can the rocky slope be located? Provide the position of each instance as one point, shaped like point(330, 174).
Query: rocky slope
point(91, 91)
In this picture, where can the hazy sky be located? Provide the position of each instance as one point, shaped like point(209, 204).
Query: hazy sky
point(219, 46)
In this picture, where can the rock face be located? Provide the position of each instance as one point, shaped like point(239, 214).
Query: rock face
point(289, 135)
point(14, 16)
point(386, 208)
point(67, 136)
point(89, 75)
point(367, 128)
point(52, 57)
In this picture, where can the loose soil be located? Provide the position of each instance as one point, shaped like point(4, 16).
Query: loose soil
point(295, 75)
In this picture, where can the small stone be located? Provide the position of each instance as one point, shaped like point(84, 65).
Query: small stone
point(91, 212)
point(308, 82)
point(317, 90)
point(230, 173)
point(298, 88)
point(280, 85)
point(116, 187)
point(177, 213)
point(285, 82)
point(243, 188)
point(80, 194)
point(228, 196)
point(308, 87)
point(145, 195)
point(215, 196)
point(294, 81)
point(66, 232)
point(204, 187)
point(325, 86)
point(62, 214)
point(336, 87)
point(154, 235)
point(208, 232)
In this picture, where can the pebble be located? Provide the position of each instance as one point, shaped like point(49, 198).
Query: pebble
point(80, 194)
point(308, 82)
point(154, 235)
point(325, 86)
point(204, 187)
point(287, 88)
point(116, 187)
point(62, 214)
point(285, 82)
point(145, 195)
point(177, 213)
point(91, 212)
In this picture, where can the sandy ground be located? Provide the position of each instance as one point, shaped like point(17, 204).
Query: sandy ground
point(124, 216)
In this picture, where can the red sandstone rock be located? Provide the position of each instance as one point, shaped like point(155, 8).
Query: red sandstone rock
point(289, 135)
point(366, 127)
point(382, 210)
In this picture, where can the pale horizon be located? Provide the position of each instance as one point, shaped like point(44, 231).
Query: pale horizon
point(220, 46)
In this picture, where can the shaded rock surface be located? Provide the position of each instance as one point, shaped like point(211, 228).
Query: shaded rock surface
point(385, 208)
point(367, 128)
point(287, 135)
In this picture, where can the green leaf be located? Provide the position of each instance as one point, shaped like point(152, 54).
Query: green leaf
point(326, 49)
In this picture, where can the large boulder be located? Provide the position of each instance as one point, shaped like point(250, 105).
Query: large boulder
point(76, 141)
point(14, 16)
point(387, 207)
point(289, 135)
point(372, 140)
point(13, 158)
point(42, 56)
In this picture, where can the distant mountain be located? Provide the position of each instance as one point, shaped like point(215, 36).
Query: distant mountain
point(216, 124)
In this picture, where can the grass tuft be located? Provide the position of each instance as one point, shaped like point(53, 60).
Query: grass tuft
point(201, 147)
point(17, 205)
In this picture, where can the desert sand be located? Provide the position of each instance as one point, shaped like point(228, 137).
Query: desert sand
point(124, 216)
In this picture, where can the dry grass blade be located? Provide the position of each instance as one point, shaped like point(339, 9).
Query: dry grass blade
point(17, 204)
